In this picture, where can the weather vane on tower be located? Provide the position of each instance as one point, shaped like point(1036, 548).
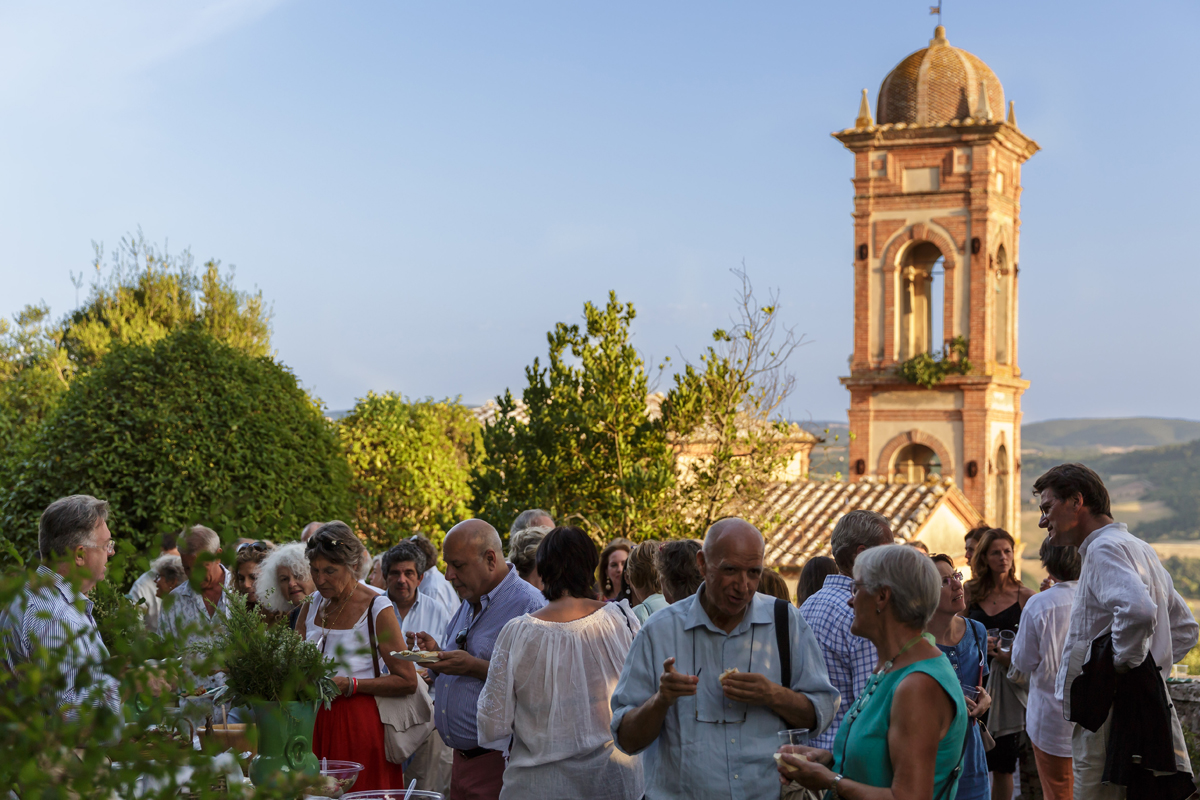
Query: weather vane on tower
point(937, 10)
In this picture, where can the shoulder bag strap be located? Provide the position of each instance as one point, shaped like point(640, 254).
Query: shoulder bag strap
point(371, 634)
point(783, 642)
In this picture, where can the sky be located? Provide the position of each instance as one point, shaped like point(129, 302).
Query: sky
point(422, 190)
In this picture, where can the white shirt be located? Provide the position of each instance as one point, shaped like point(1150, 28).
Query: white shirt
point(1037, 651)
point(187, 613)
point(435, 585)
point(145, 588)
point(427, 615)
point(1124, 589)
point(350, 648)
point(548, 689)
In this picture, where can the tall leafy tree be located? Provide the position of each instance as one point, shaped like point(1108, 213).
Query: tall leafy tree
point(724, 418)
point(186, 429)
point(581, 443)
point(411, 463)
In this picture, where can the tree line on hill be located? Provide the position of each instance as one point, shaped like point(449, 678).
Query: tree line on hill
point(161, 394)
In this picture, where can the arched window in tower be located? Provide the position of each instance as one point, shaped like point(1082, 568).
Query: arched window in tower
point(1001, 500)
point(915, 463)
point(921, 296)
point(1002, 332)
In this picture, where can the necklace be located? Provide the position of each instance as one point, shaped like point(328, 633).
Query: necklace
point(327, 626)
point(872, 684)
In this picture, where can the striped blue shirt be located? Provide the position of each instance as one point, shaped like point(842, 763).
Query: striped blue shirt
point(51, 625)
point(456, 696)
point(850, 659)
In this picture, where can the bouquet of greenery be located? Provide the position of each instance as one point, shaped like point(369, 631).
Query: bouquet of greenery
point(268, 663)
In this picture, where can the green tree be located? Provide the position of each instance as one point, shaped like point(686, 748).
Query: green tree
point(727, 411)
point(411, 462)
point(187, 429)
point(34, 372)
point(147, 293)
point(581, 444)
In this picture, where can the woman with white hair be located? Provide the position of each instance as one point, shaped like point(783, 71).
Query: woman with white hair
point(284, 582)
point(905, 731)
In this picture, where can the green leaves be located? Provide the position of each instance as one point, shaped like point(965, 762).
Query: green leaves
point(928, 370)
point(582, 445)
point(411, 462)
point(184, 430)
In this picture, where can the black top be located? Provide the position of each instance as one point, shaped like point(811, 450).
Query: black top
point(1006, 620)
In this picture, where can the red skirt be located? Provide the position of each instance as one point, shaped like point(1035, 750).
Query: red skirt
point(351, 731)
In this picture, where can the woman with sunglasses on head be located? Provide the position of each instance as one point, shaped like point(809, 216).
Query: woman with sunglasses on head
point(358, 628)
point(964, 641)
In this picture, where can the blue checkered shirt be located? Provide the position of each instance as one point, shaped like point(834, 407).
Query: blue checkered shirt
point(50, 624)
point(850, 659)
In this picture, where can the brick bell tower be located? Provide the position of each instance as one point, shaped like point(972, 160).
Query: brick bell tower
point(937, 188)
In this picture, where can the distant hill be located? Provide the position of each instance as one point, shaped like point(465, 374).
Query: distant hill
point(1107, 435)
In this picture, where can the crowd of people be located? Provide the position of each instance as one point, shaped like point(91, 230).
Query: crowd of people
point(685, 668)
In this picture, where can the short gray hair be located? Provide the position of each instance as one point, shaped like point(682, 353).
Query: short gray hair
point(522, 548)
point(293, 557)
point(914, 581)
point(199, 539)
point(528, 519)
point(858, 528)
point(168, 567)
point(69, 522)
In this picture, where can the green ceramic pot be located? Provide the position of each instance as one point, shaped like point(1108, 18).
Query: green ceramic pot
point(285, 733)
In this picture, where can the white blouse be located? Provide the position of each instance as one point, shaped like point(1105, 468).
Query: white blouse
point(350, 648)
point(548, 689)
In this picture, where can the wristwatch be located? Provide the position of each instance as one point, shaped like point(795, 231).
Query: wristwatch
point(833, 787)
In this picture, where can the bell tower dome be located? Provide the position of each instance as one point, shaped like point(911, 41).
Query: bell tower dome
point(934, 383)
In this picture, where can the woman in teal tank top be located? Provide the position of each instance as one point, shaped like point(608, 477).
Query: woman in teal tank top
point(903, 737)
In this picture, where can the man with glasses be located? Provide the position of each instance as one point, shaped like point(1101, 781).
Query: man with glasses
point(53, 615)
point(850, 659)
point(492, 593)
point(705, 691)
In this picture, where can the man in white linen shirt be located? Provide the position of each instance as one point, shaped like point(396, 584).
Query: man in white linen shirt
point(1038, 652)
point(145, 588)
point(404, 570)
point(1123, 590)
point(700, 695)
point(434, 584)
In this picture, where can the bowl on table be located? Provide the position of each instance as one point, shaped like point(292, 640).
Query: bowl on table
point(336, 778)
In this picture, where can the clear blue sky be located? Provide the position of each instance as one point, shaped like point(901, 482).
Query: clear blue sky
point(423, 189)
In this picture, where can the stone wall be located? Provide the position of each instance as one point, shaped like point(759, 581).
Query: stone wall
point(1186, 697)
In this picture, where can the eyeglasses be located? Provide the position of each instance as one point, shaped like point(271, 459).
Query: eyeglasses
point(953, 576)
point(259, 547)
point(110, 548)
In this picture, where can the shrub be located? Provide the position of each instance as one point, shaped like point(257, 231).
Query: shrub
point(411, 464)
point(186, 429)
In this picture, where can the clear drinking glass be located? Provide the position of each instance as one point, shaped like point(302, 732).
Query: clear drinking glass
point(970, 692)
point(794, 736)
point(1006, 641)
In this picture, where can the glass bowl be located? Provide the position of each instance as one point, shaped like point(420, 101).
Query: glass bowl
point(336, 778)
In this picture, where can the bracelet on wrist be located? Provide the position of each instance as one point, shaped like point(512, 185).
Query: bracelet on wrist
point(833, 787)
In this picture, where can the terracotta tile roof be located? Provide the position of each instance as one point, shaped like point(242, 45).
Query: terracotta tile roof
point(808, 511)
point(936, 85)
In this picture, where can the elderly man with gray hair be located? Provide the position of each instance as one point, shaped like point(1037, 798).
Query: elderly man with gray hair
point(711, 679)
point(50, 624)
point(850, 659)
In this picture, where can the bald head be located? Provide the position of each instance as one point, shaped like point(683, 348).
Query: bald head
point(477, 534)
point(732, 532)
point(474, 559)
point(731, 562)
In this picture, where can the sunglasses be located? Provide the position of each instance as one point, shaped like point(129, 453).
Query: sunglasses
point(258, 547)
point(323, 540)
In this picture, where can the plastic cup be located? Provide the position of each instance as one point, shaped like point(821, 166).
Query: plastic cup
point(794, 736)
point(1179, 671)
point(1006, 641)
point(970, 692)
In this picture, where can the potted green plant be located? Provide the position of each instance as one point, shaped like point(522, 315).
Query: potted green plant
point(281, 678)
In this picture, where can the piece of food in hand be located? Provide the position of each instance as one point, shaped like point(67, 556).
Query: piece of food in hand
point(779, 757)
point(727, 673)
point(424, 655)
